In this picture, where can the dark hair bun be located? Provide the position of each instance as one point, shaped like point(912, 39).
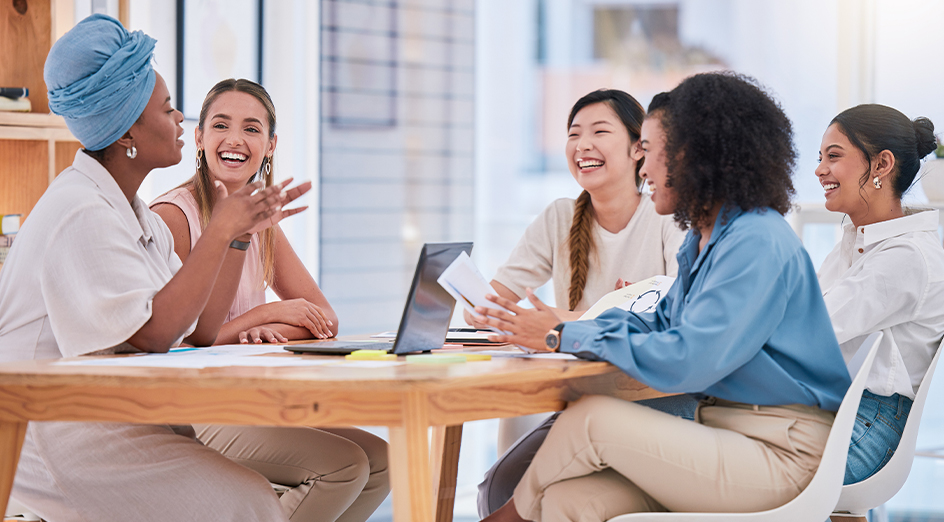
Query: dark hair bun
point(924, 133)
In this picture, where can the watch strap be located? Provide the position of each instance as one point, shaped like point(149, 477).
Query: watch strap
point(239, 245)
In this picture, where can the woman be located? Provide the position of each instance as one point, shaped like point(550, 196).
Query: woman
point(885, 274)
point(608, 236)
point(94, 272)
point(332, 473)
point(236, 142)
point(744, 324)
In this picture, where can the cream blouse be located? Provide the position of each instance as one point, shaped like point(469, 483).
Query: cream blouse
point(644, 248)
point(84, 269)
point(889, 277)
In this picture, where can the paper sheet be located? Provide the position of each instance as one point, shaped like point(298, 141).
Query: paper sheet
point(219, 361)
point(638, 297)
point(467, 285)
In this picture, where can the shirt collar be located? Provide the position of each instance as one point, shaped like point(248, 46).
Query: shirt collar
point(725, 217)
point(919, 222)
point(133, 214)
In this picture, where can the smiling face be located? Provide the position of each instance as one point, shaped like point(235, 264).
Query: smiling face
point(840, 170)
point(157, 132)
point(600, 152)
point(235, 138)
point(654, 169)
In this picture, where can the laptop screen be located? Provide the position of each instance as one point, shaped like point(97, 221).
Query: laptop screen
point(428, 308)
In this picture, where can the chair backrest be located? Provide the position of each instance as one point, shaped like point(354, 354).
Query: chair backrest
point(874, 491)
point(817, 500)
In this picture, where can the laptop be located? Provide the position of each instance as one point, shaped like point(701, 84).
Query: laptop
point(426, 314)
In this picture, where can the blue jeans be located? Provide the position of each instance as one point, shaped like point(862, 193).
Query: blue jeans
point(876, 434)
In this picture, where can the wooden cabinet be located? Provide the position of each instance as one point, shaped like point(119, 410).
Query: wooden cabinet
point(34, 146)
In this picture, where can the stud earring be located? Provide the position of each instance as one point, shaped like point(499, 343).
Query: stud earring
point(877, 182)
point(132, 152)
point(199, 155)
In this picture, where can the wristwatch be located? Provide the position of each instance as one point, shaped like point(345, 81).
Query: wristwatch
point(552, 339)
point(240, 245)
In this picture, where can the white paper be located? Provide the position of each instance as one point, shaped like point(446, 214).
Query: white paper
point(218, 361)
point(230, 349)
point(638, 297)
point(468, 286)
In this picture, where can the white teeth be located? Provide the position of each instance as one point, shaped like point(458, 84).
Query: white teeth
point(830, 186)
point(233, 156)
point(589, 163)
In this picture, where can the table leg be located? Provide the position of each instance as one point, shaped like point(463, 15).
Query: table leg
point(409, 462)
point(11, 442)
point(444, 467)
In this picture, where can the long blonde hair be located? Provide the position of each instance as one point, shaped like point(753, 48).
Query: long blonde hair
point(203, 189)
point(580, 239)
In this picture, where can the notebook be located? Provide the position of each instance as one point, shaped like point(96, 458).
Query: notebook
point(426, 314)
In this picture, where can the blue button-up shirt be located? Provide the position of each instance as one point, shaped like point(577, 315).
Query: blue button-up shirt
point(745, 321)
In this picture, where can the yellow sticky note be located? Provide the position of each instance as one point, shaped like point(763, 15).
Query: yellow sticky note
point(371, 355)
point(475, 356)
point(435, 359)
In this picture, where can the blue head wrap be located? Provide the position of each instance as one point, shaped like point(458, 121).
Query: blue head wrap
point(100, 79)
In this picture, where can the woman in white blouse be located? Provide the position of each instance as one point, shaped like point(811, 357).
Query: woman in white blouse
point(887, 273)
point(94, 271)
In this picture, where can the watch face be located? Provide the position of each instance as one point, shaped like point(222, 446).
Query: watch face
point(551, 340)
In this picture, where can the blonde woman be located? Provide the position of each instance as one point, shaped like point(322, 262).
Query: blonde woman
point(333, 473)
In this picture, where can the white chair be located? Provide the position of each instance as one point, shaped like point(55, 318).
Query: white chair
point(819, 498)
point(857, 499)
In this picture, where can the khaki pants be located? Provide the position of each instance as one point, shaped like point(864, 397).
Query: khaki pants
point(606, 457)
point(333, 473)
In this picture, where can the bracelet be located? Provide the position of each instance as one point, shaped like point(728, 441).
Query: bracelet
point(239, 245)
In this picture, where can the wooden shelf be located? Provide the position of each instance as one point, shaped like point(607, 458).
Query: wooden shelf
point(32, 119)
point(34, 146)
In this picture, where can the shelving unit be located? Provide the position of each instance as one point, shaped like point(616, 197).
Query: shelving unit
point(34, 146)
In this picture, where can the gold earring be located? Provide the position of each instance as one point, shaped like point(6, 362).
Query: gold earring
point(877, 182)
point(199, 155)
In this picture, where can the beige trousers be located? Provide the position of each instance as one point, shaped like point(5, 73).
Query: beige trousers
point(110, 472)
point(606, 457)
point(334, 474)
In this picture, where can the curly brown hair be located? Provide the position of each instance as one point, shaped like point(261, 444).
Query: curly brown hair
point(727, 142)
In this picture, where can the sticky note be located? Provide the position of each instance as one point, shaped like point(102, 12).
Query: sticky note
point(435, 359)
point(475, 356)
point(371, 355)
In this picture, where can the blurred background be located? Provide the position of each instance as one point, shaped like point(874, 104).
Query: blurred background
point(435, 120)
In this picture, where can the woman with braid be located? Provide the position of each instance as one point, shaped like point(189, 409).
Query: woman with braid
point(609, 236)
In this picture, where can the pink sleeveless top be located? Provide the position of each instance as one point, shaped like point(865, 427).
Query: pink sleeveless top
point(251, 292)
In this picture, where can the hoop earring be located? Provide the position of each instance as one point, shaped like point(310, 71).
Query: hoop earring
point(877, 182)
point(199, 155)
point(132, 152)
point(268, 166)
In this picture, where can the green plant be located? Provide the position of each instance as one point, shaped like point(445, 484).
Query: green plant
point(939, 152)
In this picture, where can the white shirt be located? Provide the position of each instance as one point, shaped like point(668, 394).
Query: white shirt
point(84, 270)
point(889, 277)
point(645, 247)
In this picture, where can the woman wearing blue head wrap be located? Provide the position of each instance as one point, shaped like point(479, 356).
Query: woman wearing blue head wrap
point(94, 271)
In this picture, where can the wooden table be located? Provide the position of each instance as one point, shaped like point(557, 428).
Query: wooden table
point(409, 399)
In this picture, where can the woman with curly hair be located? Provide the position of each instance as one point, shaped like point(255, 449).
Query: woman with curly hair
point(745, 325)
